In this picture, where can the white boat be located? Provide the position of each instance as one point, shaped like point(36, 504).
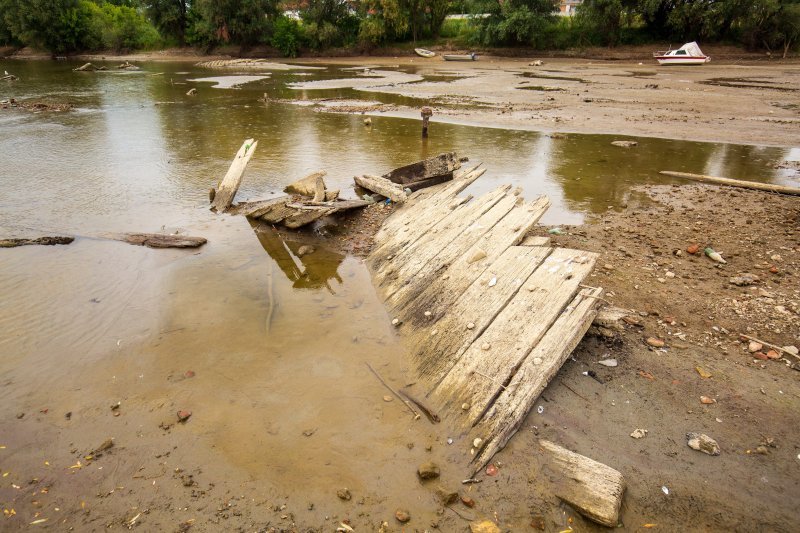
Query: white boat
point(472, 56)
point(424, 53)
point(688, 54)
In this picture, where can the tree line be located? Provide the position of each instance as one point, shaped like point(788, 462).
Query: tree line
point(63, 26)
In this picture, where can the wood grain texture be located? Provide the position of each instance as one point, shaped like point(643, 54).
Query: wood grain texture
point(383, 187)
point(229, 186)
point(768, 187)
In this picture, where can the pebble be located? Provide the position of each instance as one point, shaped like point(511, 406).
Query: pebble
point(670, 275)
point(655, 343)
point(661, 280)
point(486, 346)
point(469, 502)
point(465, 406)
point(446, 497)
point(402, 516)
point(702, 443)
point(773, 354)
point(387, 398)
point(754, 346)
point(305, 250)
point(344, 494)
point(744, 280)
point(693, 249)
point(706, 400)
point(183, 415)
point(761, 356)
point(485, 526)
point(639, 433)
point(427, 471)
point(396, 322)
point(477, 443)
point(428, 314)
point(608, 266)
point(471, 325)
point(608, 362)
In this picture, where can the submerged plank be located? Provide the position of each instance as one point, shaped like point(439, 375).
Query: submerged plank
point(229, 186)
point(483, 369)
point(425, 169)
point(158, 240)
point(257, 208)
point(383, 187)
point(511, 407)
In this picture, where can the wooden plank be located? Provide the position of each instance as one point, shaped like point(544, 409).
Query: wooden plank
point(158, 240)
point(277, 213)
point(593, 488)
point(442, 232)
point(305, 186)
point(490, 361)
point(532, 240)
point(768, 187)
point(319, 190)
point(383, 187)
point(229, 186)
point(306, 216)
point(509, 410)
point(430, 182)
point(257, 208)
point(441, 289)
point(443, 250)
point(434, 354)
point(425, 169)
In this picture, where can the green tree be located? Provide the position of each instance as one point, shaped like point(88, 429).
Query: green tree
point(171, 17)
point(515, 21)
point(244, 22)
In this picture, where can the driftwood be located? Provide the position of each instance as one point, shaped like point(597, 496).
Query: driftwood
point(768, 187)
point(294, 212)
point(9, 77)
point(43, 241)
point(383, 187)
point(442, 164)
point(88, 67)
point(305, 186)
point(159, 240)
point(127, 66)
point(593, 488)
point(319, 190)
point(228, 187)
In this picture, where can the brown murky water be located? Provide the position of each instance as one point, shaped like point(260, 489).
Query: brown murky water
point(284, 406)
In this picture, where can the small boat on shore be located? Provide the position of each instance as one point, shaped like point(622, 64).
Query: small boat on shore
point(424, 53)
point(688, 54)
point(460, 57)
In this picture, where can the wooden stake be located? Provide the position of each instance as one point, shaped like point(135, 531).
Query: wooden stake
point(229, 185)
point(768, 187)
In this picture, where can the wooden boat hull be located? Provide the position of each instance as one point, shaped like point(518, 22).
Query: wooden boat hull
point(460, 57)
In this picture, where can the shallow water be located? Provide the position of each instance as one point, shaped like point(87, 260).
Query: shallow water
point(283, 340)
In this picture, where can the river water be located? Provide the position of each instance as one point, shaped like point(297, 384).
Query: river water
point(281, 395)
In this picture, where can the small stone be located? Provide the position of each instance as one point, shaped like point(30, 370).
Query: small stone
point(661, 280)
point(20, 416)
point(485, 526)
point(446, 497)
point(655, 343)
point(762, 450)
point(486, 346)
point(702, 443)
point(744, 280)
point(773, 354)
point(491, 470)
point(305, 250)
point(477, 443)
point(776, 257)
point(428, 471)
point(624, 144)
point(693, 249)
point(344, 494)
point(537, 360)
point(670, 275)
point(402, 516)
point(183, 415)
point(465, 406)
point(368, 121)
point(387, 398)
point(773, 270)
point(761, 356)
point(471, 325)
point(608, 362)
point(396, 322)
point(706, 400)
point(754, 346)
point(639, 433)
point(469, 502)
point(608, 266)
point(428, 314)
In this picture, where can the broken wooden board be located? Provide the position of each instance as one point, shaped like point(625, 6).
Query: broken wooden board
point(428, 168)
point(593, 488)
point(480, 303)
point(383, 187)
point(305, 186)
point(158, 240)
point(41, 241)
point(229, 186)
point(293, 212)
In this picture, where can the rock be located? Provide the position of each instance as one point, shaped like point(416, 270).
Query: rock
point(693, 249)
point(655, 343)
point(760, 356)
point(702, 443)
point(792, 349)
point(184, 415)
point(428, 471)
point(624, 144)
point(744, 280)
point(387, 398)
point(608, 266)
point(305, 250)
point(670, 275)
point(486, 346)
point(446, 497)
point(773, 354)
point(608, 362)
point(344, 494)
point(754, 346)
point(395, 321)
point(477, 256)
point(706, 400)
point(107, 445)
point(368, 121)
point(469, 502)
point(484, 526)
point(402, 516)
point(477, 442)
point(639, 433)
point(471, 325)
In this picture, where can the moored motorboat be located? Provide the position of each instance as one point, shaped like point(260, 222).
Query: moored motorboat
point(688, 54)
point(424, 53)
point(460, 57)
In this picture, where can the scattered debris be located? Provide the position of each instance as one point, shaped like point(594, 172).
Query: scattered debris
point(707, 401)
point(192, 92)
point(484, 526)
point(639, 433)
point(625, 144)
point(344, 494)
point(608, 362)
point(744, 280)
point(655, 342)
point(702, 443)
point(383, 187)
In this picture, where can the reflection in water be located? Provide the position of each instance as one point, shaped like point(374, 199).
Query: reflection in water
point(311, 269)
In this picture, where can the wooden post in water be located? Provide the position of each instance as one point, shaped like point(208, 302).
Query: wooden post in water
point(426, 113)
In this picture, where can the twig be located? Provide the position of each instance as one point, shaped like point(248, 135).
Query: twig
point(433, 417)
point(765, 343)
point(461, 516)
point(573, 390)
point(271, 297)
point(405, 402)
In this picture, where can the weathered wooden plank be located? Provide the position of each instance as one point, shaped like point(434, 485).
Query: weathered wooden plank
point(593, 488)
point(491, 360)
point(229, 186)
point(158, 240)
point(430, 182)
point(532, 240)
point(509, 410)
point(305, 186)
point(442, 232)
point(319, 190)
point(443, 250)
point(257, 208)
point(753, 185)
point(427, 168)
point(306, 216)
point(442, 288)
point(383, 187)
point(450, 330)
point(277, 213)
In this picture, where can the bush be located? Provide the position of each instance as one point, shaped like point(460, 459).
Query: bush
point(286, 36)
point(127, 29)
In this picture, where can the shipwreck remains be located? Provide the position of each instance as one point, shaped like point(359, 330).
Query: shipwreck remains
point(488, 314)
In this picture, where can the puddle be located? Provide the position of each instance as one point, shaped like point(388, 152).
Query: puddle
point(229, 82)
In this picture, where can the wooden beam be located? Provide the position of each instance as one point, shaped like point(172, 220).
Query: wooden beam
point(383, 187)
point(767, 187)
point(159, 240)
point(228, 187)
point(425, 169)
point(305, 186)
